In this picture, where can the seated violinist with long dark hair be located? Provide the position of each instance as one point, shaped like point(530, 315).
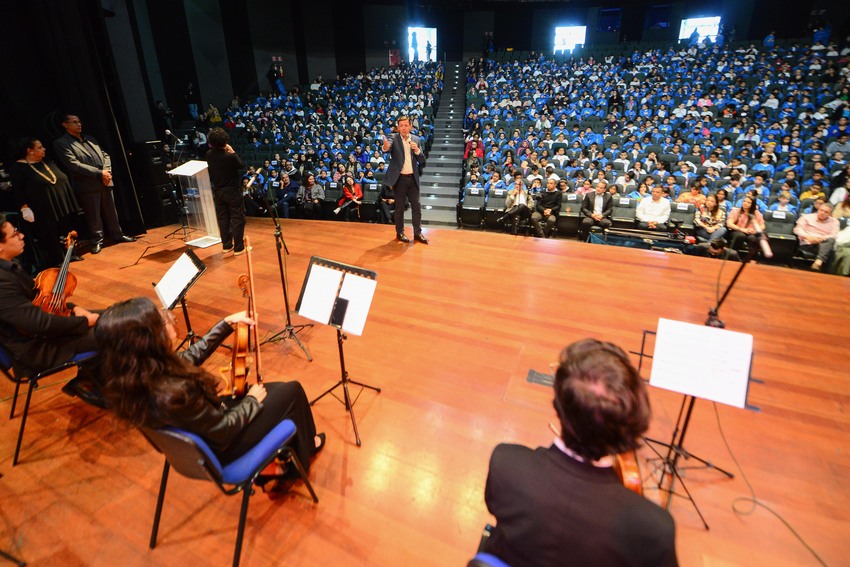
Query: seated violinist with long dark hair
point(151, 385)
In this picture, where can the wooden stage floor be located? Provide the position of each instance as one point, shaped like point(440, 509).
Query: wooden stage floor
point(453, 330)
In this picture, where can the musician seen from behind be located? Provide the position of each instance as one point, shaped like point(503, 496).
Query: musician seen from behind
point(564, 504)
point(37, 340)
point(151, 385)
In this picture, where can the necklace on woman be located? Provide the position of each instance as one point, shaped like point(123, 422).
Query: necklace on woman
point(51, 179)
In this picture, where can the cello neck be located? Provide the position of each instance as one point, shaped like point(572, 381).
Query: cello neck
point(252, 312)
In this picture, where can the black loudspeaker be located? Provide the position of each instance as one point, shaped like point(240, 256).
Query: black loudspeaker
point(160, 205)
point(157, 197)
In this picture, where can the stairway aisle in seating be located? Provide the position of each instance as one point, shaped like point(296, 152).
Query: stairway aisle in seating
point(441, 176)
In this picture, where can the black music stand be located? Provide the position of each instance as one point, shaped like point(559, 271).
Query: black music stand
point(172, 288)
point(724, 379)
point(338, 295)
point(290, 331)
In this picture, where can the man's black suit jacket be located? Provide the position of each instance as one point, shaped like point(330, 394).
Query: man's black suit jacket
point(35, 339)
point(590, 199)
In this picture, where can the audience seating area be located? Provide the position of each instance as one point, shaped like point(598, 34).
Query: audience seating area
point(773, 119)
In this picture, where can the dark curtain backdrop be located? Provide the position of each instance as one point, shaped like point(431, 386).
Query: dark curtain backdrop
point(60, 61)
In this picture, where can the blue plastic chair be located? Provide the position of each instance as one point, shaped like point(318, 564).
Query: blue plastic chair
point(6, 364)
point(191, 457)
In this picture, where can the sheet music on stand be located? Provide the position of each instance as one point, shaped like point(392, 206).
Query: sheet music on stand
point(680, 363)
point(184, 272)
point(336, 294)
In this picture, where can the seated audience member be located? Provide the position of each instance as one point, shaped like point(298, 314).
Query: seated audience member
point(817, 232)
point(814, 206)
point(495, 182)
point(287, 195)
point(744, 224)
point(596, 210)
point(518, 205)
point(564, 504)
point(352, 197)
point(546, 206)
point(722, 200)
point(841, 191)
point(841, 253)
point(639, 193)
point(653, 213)
point(695, 196)
point(762, 206)
point(310, 197)
point(710, 219)
point(783, 203)
point(716, 248)
point(151, 385)
point(814, 191)
point(842, 209)
point(386, 204)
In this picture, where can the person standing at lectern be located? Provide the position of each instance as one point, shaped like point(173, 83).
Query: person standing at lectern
point(403, 176)
point(225, 167)
point(90, 169)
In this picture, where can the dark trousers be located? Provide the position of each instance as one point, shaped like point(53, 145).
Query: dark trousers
point(99, 208)
point(587, 223)
point(284, 400)
point(313, 210)
point(822, 249)
point(386, 212)
point(407, 190)
point(537, 217)
point(230, 215)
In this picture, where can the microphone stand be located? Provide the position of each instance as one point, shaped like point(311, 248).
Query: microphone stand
point(290, 331)
point(713, 320)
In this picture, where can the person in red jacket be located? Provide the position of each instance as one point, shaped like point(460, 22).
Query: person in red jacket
point(352, 196)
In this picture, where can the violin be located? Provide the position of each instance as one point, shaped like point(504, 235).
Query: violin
point(246, 345)
point(55, 285)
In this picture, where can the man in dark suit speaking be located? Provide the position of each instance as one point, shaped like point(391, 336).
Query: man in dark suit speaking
point(403, 176)
point(563, 504)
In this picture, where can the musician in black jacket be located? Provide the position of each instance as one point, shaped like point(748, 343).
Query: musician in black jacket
point(563, 504)
point(36, 340)
point(596, 209)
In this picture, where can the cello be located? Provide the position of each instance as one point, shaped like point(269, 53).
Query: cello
point(246, 346)
point(55, 285)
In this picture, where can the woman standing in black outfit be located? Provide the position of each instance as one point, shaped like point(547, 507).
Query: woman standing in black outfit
point(46, 201)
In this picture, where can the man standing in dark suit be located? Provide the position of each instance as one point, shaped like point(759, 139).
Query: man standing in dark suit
point(596, 209)
point(37, 340)
point(403, 176)
point(90, 171)
point(564, 505)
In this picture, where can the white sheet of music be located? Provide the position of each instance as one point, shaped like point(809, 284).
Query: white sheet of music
point(359, 292)
point(318, 301)
point(704, 362)
point(175, 280)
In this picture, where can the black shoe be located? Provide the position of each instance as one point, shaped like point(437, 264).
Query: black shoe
point(86, 391)
point(98, 246)
point(421, 238)
point(123, 238)
point(76, 258)
point(402, 237)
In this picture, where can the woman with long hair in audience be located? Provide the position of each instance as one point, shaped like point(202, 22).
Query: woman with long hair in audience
point(744, 223)
point(710, 219)
point(352, 196)
point(151, 385)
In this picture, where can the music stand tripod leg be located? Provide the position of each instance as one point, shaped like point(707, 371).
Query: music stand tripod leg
point(290, 331)
point(12, 559)
point(349, 405)
point(190, 337)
